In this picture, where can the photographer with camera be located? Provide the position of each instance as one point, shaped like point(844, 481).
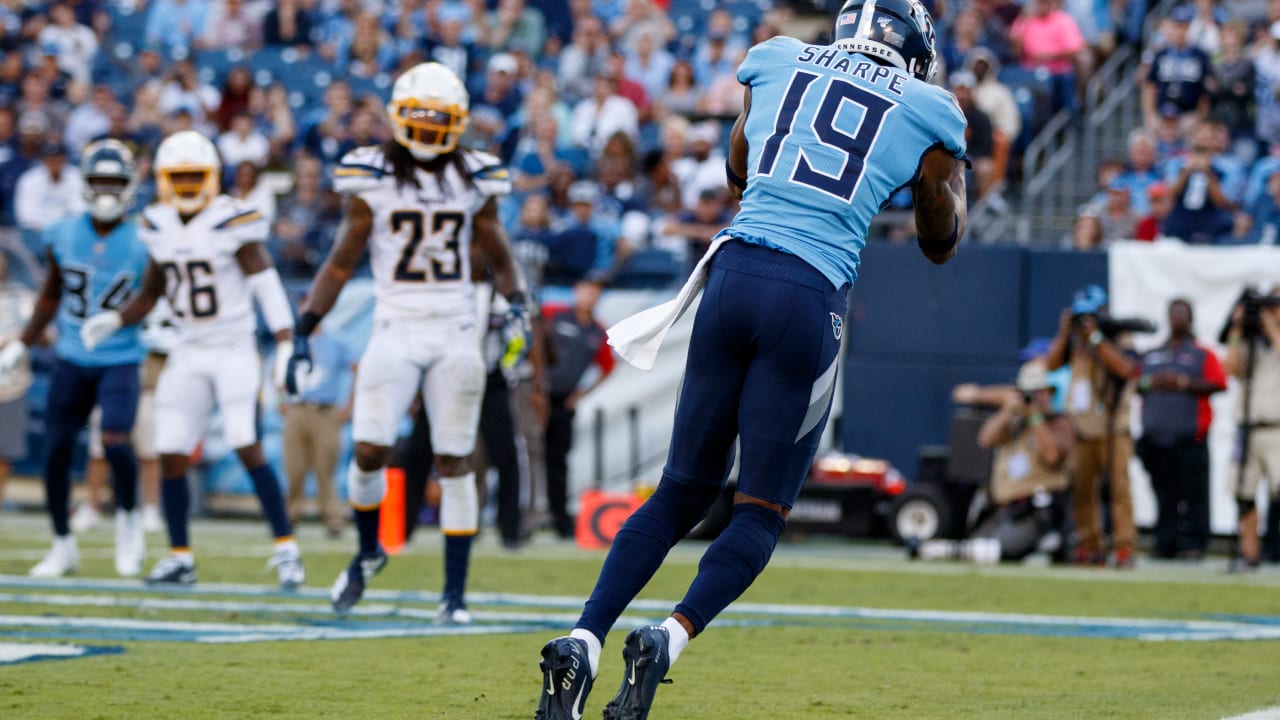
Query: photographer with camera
point(1098, 408)
point(1177, 379)
point(1252, 337)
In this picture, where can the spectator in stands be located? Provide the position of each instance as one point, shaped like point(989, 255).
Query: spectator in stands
point(11, 67)
point(703, 168)
point(243, 143)
point(980, 135)
point(275, 119)
point(287, 23)
point(305, 222)
point(1170, 141)
point(1235, 83)
point(1179, 75)
point(336, 27)
point(992, 96)
point(176, 23)
point(1140, 170)
point(604, 113)
point(75, 44)
point(1045, 37)
point(696, 227)
point(1177, 379)
point(491, 112)
point(8, 133)
point(577, 342)
point(146, 68)
point(714, 58)
point(657, 187)
point(1266, 61)
point(514, 23)
point(537, 154)
point(1260, 173)
point(326, 131)
point(36, 97)
point(1094, 20)
point(147, 119)
point(89, 119)
point(530, 240)
point(369, 52)
point(32, 128)
point(585, 243)
point(183, 88)
point(245, 185)
point(49, 191)
point(236, 90)
point(1205, 31)
point(1099, 225)
point(632, 90)
point(312, 434)
point(648, 62)
point(16, 305)
point(1098, 408)
point(61, 86)
point(682, 95)
point(578, 61)
point(230, 25)
point(1261, 222)
point(1159, 205)
point(450, 49)
point(366, 129)
point(1201, 210)
point(964, 37)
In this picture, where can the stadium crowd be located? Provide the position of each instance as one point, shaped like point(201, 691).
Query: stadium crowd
point(612, 114)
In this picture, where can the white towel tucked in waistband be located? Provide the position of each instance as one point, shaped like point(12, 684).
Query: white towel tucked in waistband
point(638, 337)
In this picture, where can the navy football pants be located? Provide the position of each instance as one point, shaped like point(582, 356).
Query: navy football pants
point(762, 365)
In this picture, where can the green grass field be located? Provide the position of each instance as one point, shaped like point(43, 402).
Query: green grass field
point(769, 663)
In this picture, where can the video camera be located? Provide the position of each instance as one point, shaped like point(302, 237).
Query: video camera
point(1253, 300)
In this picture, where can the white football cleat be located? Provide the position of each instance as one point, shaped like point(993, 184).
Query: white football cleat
point(287, 560)
point(86, 518)
point(131, 543)
point(62, 559)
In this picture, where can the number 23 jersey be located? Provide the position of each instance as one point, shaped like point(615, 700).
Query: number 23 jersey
point(832, 136)
point(206, 288)
point(420, 244)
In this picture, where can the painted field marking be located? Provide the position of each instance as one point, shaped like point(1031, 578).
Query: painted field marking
point(15, 653)
point(1272, 713)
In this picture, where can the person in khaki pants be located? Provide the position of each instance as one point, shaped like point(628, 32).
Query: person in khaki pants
point(313, 429)
point(1098, 407)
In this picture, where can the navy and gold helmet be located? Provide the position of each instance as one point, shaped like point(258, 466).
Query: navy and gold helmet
point(895, 32)
point(110, 179)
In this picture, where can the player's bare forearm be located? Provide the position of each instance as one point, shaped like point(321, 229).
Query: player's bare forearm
point(142, 303)
point(46, 306)
point(353, 236)
point(491, 239)
point(941, 210)
point(738, 148)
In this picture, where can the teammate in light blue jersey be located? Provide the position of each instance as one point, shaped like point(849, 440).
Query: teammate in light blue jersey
point(827, 136)
point(847, 133)
point(96, 262)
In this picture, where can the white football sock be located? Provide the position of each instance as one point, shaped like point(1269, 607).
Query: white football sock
point(679, 638)
point(593, 647)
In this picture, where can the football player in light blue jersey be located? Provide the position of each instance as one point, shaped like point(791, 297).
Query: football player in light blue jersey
point(827, 136)
point(96, 262)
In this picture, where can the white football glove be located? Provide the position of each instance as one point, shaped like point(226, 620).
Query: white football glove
point(11, 356)
point(279, 373)
point(99, 328)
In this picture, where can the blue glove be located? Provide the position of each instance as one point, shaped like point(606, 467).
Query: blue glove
point(295, 371)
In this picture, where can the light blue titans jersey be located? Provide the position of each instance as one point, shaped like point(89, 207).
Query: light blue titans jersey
point(831, 136)
point(98, 274)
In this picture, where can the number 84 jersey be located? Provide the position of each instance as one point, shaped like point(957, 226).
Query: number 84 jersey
point(206, 288)
point(420, 244)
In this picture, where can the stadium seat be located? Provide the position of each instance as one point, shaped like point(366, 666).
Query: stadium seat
point(649, 269)
point(129, 27)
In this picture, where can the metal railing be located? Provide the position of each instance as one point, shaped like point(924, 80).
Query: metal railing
point(1047, 166)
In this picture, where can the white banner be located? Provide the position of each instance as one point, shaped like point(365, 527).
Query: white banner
point(1144, 277)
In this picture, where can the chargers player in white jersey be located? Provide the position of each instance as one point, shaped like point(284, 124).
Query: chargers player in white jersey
point(419, 204)
point(209, 259)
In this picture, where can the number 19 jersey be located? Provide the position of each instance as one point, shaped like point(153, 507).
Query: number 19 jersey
point(206, 288)
point(420, 245)
point(832, 136)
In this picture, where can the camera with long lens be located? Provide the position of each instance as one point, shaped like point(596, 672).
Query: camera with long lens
point(1112, 327)
point(1254, 301)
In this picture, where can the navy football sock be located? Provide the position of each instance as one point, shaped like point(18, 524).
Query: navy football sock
point(732, 563)
point(124, 474)
point(175, 495)
point(640, 547)
point(367, 529)
point(457, 559)
point(272, 500)
point(57, 476)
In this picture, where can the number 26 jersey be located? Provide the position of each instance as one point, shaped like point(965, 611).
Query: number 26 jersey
point(832, 136)
point(420, 244)
point(210, 295)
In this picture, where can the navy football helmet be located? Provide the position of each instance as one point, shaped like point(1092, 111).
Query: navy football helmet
point(895, 32)
point(110, 179)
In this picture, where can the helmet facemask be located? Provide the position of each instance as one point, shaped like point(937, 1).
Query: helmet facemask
point(187, 188)
point(427, 129)
point(109, 197)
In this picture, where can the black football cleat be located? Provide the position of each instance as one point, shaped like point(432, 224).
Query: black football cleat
point(172, 570)
point(349, 587)
point(646, 661)
point(566, 680)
